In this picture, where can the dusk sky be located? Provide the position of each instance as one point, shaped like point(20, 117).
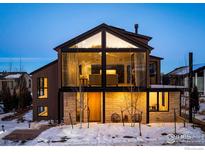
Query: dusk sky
point(31, 31)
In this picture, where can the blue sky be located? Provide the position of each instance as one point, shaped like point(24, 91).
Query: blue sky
point(31, 31)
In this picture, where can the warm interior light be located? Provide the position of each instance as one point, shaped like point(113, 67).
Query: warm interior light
point(109, 71)
point(44, 112)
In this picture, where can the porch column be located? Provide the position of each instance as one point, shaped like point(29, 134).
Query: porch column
point(204, 81)
point(195, 79)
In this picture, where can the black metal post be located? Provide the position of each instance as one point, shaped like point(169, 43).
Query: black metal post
point(2, 126)
point(103, 58)
point(122, 118)
point(140, 120)
point(71, 121)
point(175, 120)
point(190, 83)
point(147, 108)
point(88, 116)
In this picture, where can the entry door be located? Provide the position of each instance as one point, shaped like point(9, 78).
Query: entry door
point(94, 103)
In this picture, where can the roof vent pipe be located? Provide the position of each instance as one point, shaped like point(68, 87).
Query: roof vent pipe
point(136, 28)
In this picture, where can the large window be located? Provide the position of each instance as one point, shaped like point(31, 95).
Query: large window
point(42, 111)
point(91, 42)
point(81, 69)
point(125, 69)
point(153, 72)
point(42, 87)
point(158, 101)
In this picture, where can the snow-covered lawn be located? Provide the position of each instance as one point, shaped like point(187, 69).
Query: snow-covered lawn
point(116, 134)
point(106, 134)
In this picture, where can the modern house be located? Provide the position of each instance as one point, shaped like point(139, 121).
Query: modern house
point(179, 76)
point(109, 70)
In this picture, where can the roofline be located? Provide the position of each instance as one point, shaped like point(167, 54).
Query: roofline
point(43, 67)
point(80, 35)
point(15, 72)
point(132, 33)
point(103, 25)
point(160, 58)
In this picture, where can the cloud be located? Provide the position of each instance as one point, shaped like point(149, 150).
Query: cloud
point(24, 59)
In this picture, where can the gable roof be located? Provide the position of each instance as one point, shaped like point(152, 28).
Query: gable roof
point(43, 67)
point(118, 31)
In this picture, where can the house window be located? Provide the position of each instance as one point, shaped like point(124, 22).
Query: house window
point(42, 111)
point(91, 42)
point(4, 84)
point(42, 87)
point(159, 101)
point(153, 103)
point(130, 69)
point(116, 42)
point(153, 72)
point(83, 67)
point(163, 101)
point(29, 83)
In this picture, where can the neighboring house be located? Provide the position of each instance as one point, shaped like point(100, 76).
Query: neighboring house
point(12, 79)
point(108, 68)
point(179, 76)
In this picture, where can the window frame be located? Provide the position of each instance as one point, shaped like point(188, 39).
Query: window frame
point(163, 101)
point(39, 88)
point(38, 107)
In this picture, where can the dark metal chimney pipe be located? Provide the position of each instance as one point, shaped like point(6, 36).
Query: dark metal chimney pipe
point(136, 28)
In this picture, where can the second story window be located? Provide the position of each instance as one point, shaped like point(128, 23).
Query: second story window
point(42, 87)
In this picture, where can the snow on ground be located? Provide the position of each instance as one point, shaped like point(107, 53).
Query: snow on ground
point(116, 134)
point(200, 115)
point(28, 116)
point(202, 107)
point(12, 125)
point(106, 134)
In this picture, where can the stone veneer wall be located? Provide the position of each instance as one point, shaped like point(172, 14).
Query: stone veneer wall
point(117, 101)
point(69, 99)
point(174, 102)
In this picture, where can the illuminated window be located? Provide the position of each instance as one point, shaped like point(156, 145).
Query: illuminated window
point(81, 67)
point(42, 87)
point(158, 101)
point(43, 111)
point(115, 42)
point(91, 42)
point(153, 101)
point(163, 101)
